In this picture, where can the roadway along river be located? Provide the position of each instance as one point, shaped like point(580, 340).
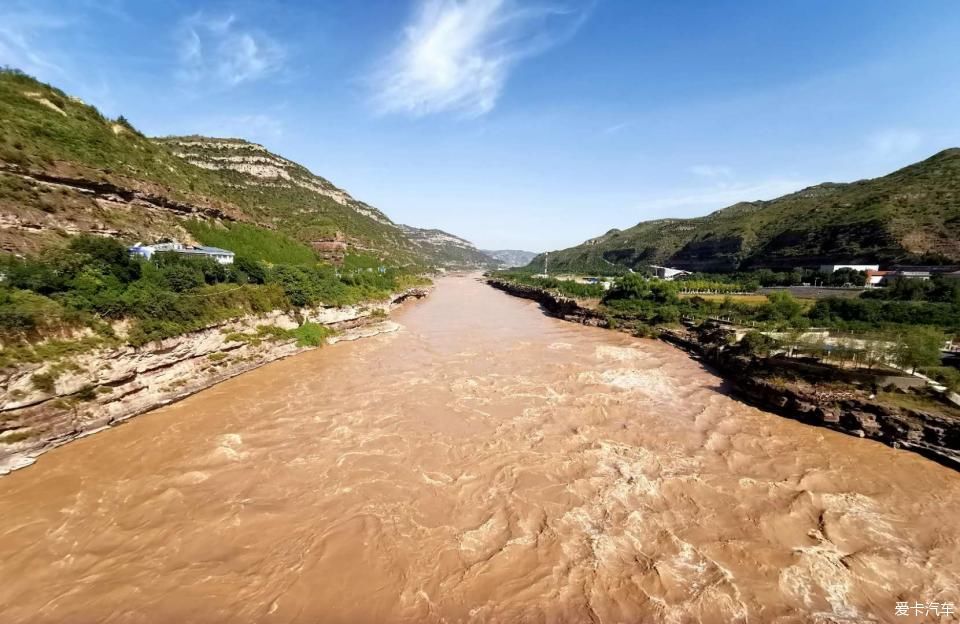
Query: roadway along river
point(485, 463)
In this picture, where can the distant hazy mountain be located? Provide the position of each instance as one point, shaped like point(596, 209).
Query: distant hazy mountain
point(510, 257)
point(909, 216)
point(445, 249)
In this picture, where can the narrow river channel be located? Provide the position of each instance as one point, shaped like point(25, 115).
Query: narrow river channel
point(486, 463)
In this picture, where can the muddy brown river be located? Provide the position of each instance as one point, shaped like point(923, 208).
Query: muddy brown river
point(486, 463)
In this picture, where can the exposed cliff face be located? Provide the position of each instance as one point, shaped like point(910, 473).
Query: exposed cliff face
point(559, 306)
point(260, 168)
point(930, 434)
point(510, 257)
point(49, 404)
point(66, 170)
point(845, 407)
point(445, 249)
point(42, 208)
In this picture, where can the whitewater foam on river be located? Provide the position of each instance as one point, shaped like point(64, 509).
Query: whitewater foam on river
point(485, 463)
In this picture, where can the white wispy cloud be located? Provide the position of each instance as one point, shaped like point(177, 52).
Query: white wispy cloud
point(618, 127)
point(20, 30)
point(720, 195)
point(712, 171)
point(894, 142)
point(456, 55)
point(217, 49)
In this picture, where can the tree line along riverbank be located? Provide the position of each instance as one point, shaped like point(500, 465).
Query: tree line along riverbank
point(90, 336)
point(779, 363)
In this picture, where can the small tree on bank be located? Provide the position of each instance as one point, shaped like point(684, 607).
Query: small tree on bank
point(757, 344)
point(918, 346)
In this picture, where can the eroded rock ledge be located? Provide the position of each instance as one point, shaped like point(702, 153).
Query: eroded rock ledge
point(557, 305)
point(143, 194)
point(932, 435)
point(104, 387)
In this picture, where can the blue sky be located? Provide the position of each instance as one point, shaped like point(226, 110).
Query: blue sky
point(523, 124)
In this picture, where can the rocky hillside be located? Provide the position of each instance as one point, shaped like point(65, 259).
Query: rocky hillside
point(909, 216)
point(447, 250)
point(65, 169)
point(284, 195)
point(510, 257)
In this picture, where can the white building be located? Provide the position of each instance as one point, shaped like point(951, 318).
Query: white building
point(667, 273)
point(876, 278)
point(605, 282)
point(833, 268)
point(223, 256)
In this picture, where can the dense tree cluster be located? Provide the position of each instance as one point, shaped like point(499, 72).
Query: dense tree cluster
point(938, 289)
point(94, 280)
point(749, 281)
point(908, 324)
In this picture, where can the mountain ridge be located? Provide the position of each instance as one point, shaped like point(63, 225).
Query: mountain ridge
point(909, 215)
point(66, 169)
point(447, 250)
point(511, 257)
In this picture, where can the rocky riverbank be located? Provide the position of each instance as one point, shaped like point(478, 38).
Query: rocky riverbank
point(47, 404)
point(805, 392)
point(557, 305)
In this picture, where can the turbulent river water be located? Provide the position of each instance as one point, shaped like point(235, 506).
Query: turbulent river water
point(485, 463)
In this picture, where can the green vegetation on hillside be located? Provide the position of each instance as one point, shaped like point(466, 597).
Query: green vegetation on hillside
point(42, 125)
point(264, 208)
point(287, 197)
point(253, 242)
point(911, 215)
point(94, 281)
point(44, 130)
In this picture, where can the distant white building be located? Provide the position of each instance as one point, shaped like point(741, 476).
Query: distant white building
point(833, 268)
point(223, 256)
point(876, 278)
point(667, 273)
point(880, 278)
point(596, 280)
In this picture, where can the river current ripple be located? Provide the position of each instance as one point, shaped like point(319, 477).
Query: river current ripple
point(484, 464)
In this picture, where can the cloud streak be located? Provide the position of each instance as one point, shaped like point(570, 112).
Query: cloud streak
point(721, 195)
point(619, 127)
point(456, 55)
point(893, 142)
point(712, 171)
point(19, 30)
point(217, 50)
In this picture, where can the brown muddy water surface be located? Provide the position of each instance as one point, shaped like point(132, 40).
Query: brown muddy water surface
point(484, 464)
